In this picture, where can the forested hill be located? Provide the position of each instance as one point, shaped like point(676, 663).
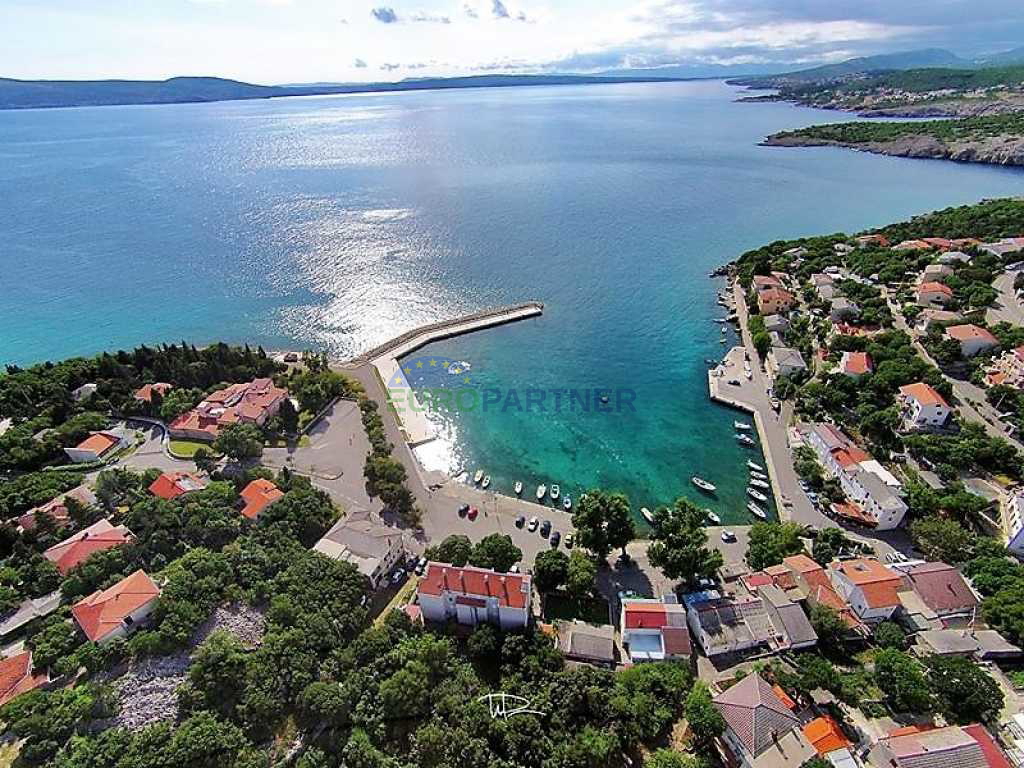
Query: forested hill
point(37, 94)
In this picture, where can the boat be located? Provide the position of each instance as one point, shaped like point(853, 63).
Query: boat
point(703, 484)
point(648, 515)
point(567, 503)
point(555, 490)
point(542, 491)
point(757, 511)
point(759, 483)
point(755, 467)
point(741, 425)
point(758, 475)
point(744, 440)
point(756, 495)
point(709, 361)
point(478, 476)
point(714, 518)
point(519, 487)
point(722, 341)
point(486, 482)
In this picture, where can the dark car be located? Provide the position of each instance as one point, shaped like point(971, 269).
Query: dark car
point(463, 510)
point(520, 521)
point(545, 528)
point(473, 511)
point(555, 538)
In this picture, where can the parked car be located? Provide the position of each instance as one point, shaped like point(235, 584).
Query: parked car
point(556, 537)
point(398, 576)
point(570, 541)
point(514, 568)
point(545, 528)
point(532, 525)
point(421, 566)
point(463, 510)
point(473, 512)
point(520, 521)
point(728, 536)
point(734, 382)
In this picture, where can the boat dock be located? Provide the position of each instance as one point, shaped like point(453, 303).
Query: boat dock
point(386, 358)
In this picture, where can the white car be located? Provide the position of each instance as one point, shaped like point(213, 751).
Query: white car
point(532, 525)
point(728, 536)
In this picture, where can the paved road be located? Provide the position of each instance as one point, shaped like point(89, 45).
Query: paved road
point(1007, 308)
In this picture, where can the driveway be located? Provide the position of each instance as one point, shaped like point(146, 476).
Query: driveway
point(1006, 309)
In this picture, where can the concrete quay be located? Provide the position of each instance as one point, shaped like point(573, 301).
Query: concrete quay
point(417, 428)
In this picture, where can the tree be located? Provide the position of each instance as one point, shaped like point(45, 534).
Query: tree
point(669, 758)
point(964, 692)
point(240, 441)
point(828, 545)
point(704, 719)
point(216, 676)
point(289, 417)
point(828, 626)
point(991, 573)
point(901, 679)
point(769, 543)
point(941, 539)
point(204, 460)
point(454, 549)
point(1004, 611)
point(679, 547)
point(603, 522)
point(581, 575)
point(483, 644)
point(496, 552)
point(550, 570)
point(889, 635)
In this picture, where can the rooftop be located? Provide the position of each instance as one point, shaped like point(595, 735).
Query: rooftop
point(76, 549)
point(924, 394)
point(510, 589)
point(258, 495)
point(103, 612)
point(755, 713)
point(970, 332)
point(880, 584)
point(941, 587)
point(171, 485)
point(98, 443)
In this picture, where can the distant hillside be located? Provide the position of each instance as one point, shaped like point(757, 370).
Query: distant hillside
point(926, 58)
point(36, 94)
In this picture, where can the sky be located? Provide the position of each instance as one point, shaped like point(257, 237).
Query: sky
point(293, 41)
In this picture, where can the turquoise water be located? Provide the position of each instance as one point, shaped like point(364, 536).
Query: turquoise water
point(339, 222)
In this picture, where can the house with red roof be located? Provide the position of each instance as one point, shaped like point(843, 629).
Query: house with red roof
point(855, 364)
point(775, 301)
point(16, 676)
point(254, 402)
point(57, 508)
point(654, 630)
point(97, 446)
point(1007, 370)
point(144, 394)
point(824, 594)
point(258, 495)
point(473, 596)
point(807, 575)
point(939, 243)
point(761, 730)
point(826, 736)
point(75, 550)
point(912, 245)
point(933, 294)
point(171, 485)
point(941, 593)
point(922, 407)
point(117, 611)
point(870, 589)
point(954, 746)
point(880, 240)
point(972, 339)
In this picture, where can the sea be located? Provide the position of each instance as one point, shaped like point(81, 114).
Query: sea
point(335, 223)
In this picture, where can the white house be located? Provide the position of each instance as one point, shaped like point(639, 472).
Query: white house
point(371, 547)
point(473, 596)
point(117, 611)
point(933, 294)
point(871, 589)
point(1013, 522)
point(971, 338)
point(83, 392)
point(922, 407)
point(95, 447)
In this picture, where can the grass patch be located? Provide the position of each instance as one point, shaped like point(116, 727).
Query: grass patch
point(558, 605)
point(187, 448)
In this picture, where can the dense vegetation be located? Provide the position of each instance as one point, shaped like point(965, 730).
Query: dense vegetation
point(947, 131)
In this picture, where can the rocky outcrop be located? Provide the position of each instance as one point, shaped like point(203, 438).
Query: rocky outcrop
point(995, 150)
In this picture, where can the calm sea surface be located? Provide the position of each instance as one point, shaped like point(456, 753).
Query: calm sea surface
point(336, 223)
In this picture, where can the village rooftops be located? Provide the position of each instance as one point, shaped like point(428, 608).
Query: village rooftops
point(99, 443)
point(103, 613)
point(258, 495)
point(57, 508)
point(509, 589)
point(253, 402)
point(942, 588)
point(171, 485)
point(949, 747)
point(924, 394)
point(16, 676)
point(880, 585)
point(933, 287)
point(76, 549)
point(980, 643)
point(755, 713)
point(145, 392)
point(825, 735)
point(594, 643)
point(855, 363)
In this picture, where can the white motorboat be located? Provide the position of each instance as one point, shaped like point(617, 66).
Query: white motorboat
point(555, 490)
point(758, 475)
point(519, 487)
point(542, 491)
point(760, 484)
point(741, 425)
point(486, 482)
point(757, 511)
point(703, 484)
point(756, 495)
point(755, 467)
point(648, 515)
point(714, 518)
point(744, 440)
point(567, 503)
point(478, 476)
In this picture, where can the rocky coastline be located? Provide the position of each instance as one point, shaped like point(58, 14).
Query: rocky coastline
point(995, 150)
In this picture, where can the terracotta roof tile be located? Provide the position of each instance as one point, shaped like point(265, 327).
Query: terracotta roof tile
point(510, 589)
point(258, 495)
point(103, 612)
point(16, 676)
point(923, 393)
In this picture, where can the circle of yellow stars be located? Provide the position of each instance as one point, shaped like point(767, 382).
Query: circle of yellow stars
point(433, 364)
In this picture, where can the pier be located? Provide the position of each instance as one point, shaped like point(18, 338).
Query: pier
point(416, 427)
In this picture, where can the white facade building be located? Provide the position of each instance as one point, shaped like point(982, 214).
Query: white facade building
point(474, 596)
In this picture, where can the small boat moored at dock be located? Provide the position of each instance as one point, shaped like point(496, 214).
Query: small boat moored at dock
point(478, 476)
point(757, 511)
point(519, 487)
point(647, 514)
point(713, 517)
point(756, 495)
point(742, 426)
point(542, 491)
point(486, 482)
point(744, 440)
point(760, 483)
point(567, 503)
point(555, 491)
point(755, 467)
point(703, 484)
